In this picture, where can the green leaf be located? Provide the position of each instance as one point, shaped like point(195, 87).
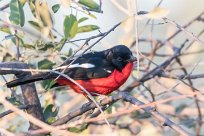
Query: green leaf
point(180, 108)
point(32, 7)
point(70, 52)
point(17, 14)
point(60, 45)
point(189, 122)
point(49, 112)
point(35, 25)
point(70, 26)
point(90, 4)
point(78, 129)
point(87, 28)
point(45, 64)
point(15, 100)
point(55, 8)
point(47, 84)
point(22, 2)
point(5, 29)
point(51, 120)
point(139, 115)
point(44, 46)
point(44, 16)
point(83, 19)
point(92, 15)
point(29, 46)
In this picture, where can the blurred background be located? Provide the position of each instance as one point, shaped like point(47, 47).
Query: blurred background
point(115, 11)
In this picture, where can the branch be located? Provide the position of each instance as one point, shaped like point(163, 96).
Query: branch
point(32, 119)
point(157, 71)
point(10, 111)
point(86, 107)
point(126, 96)
point(29, 91)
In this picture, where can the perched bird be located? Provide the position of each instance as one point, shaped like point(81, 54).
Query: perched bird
point(98, 72)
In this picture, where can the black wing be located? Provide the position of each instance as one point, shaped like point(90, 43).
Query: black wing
point(89, 66)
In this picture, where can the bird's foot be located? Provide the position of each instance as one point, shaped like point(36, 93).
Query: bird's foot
point(101, 97)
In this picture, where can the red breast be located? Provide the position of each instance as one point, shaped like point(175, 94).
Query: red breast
point(101, 85)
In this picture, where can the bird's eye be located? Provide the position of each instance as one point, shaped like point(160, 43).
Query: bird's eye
point(119, 59)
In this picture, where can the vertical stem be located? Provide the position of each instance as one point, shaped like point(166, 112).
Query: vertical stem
point(136, 35)
point(31, 98)
point(29, 91)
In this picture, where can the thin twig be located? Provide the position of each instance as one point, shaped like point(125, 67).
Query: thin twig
point(10, 111)
point(184, 30)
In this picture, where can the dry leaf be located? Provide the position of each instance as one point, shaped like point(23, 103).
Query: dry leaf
point(128, 24)
point(157, 13)
point(65, 3)
point(44, 17)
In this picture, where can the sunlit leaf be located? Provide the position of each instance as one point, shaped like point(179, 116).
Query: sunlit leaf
point(70, 26)
point(92, 15)
point(87, 28)
point(158, 13)
point(78, 129)
point(90, 4)
point(43, 13)
point(44, 17)
point(32, 7)
point(17, 14)
point(128, 24)
point(45, 64)
point(23, 2)
point(29, 46)
point(65, 3)
point(55, 8)
point(5, 29)
point(51, 120)
point(82, 19)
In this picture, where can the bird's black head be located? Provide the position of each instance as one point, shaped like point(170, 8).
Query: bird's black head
point(119, 56)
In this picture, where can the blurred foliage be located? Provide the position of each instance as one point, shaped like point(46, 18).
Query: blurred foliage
point(17, 13)
point(50, 113)
point(79, 128)
point(39, 47)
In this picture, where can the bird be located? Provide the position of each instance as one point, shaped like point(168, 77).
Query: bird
point(99, 72)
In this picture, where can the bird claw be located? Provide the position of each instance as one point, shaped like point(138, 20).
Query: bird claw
point(101, 97)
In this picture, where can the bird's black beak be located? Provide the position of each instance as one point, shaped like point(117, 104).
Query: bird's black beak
point(132, 59)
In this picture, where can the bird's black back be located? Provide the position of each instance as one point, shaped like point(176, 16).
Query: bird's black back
point(88, 66)
point(99, 66)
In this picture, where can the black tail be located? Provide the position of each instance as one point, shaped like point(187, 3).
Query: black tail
point(28, 79)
